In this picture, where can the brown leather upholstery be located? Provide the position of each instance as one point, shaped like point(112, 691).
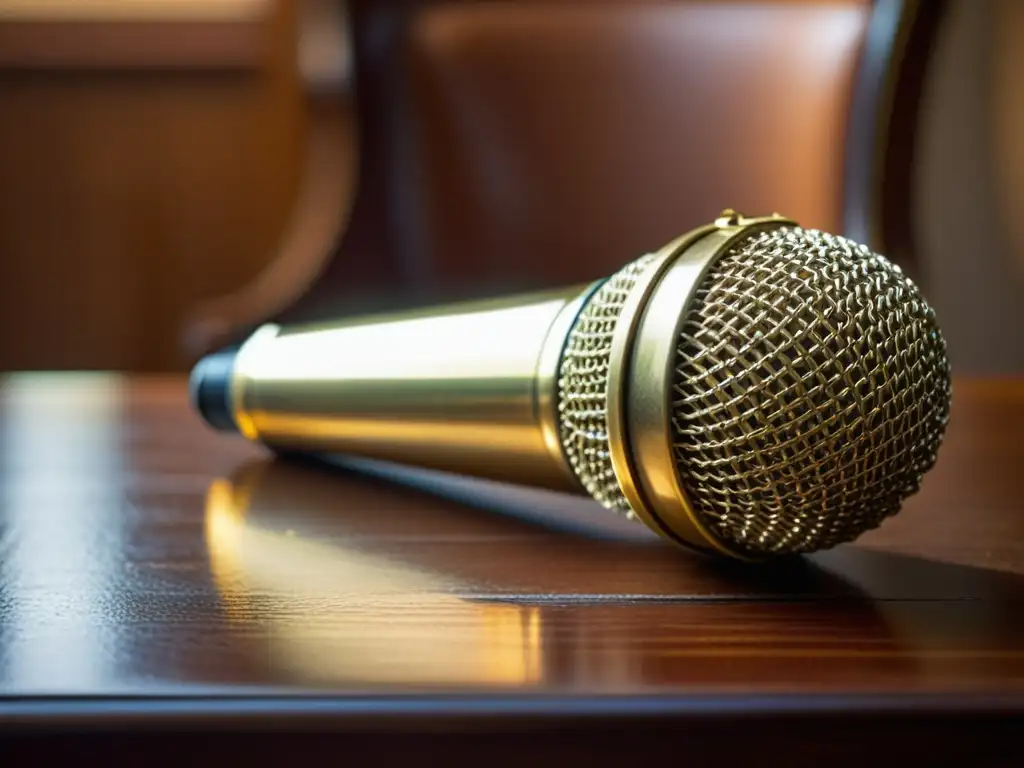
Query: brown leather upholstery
point(513, 144)
point(555, 141)
point(507, 145)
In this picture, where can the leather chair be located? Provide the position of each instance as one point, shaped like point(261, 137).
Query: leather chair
point(500, 146)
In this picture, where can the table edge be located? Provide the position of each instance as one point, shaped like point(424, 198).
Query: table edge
point(453, 712)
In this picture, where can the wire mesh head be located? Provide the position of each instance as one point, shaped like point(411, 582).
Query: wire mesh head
point(810, 393)
point(583, 387)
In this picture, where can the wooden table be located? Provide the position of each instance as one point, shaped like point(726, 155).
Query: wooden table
point(165, 590)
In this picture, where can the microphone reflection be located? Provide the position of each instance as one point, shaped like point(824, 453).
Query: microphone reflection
point(336, 610)
point(356, 581)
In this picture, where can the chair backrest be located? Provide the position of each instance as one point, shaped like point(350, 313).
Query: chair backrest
point(507, 145)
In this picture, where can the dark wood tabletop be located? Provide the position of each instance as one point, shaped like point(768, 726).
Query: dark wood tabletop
point(158, 579)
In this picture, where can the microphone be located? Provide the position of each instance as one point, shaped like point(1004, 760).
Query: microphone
point(751, 390)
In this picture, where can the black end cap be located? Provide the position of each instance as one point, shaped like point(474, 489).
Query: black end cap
point(210, 389)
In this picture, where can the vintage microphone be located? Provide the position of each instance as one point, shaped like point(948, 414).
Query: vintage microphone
point(752, 389)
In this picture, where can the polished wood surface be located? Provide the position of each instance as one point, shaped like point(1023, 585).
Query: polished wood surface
point(153, 572)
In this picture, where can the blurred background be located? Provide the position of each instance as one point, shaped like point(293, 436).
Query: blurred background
point(175, 172)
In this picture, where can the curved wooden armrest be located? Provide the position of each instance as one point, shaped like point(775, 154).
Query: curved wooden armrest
point(322, 207)
point(885, 113)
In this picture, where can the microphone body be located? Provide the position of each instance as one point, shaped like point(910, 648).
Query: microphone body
point(751, 389)
point(467, 388)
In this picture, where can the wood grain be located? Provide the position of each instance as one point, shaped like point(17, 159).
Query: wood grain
point(185, 580)
point(136, 45)
point(58, 34)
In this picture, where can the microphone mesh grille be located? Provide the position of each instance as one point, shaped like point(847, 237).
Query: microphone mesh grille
point(810, 395)
point(583, 387)
point(811, 392)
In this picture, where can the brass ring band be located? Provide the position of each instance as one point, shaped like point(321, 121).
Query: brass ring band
point(640, 382)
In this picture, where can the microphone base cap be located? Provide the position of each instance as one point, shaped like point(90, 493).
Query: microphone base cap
point(210, 389)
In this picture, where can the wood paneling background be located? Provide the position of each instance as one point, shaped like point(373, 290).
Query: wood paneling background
point(132, 185)
point(147, 165)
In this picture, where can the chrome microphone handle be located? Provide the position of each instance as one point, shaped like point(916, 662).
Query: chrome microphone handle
point(468, 388)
